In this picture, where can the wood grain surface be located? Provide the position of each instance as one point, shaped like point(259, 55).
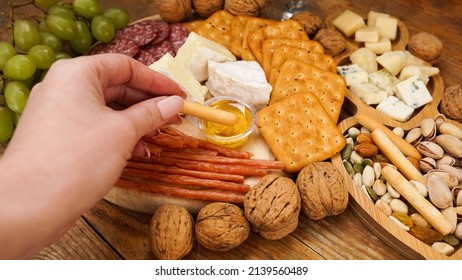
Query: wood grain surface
point(108, 231)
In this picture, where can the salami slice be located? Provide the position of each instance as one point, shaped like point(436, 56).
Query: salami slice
point(178, 35)
point(162, 29)
point(149, 54)
point(120, 45)
point(140, 33)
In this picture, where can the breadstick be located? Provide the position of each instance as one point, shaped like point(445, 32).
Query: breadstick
point(393, 153)
point(405, 147)
point(423, 206)
point(209, 113)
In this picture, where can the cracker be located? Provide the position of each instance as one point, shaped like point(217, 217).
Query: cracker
point(283, 53)
point(284, 29)
point(217, 27)
point(299, 77)
point(237, 34)
point(270, 44)
point(299, 131)
point(252, 25)
point(192, 25)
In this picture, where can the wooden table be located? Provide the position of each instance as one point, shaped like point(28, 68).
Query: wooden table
point(108, 231)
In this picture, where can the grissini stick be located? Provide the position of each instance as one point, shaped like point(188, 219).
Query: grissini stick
point(422, 205)
point(209, 113)
point(394, 154)
point(405, 147)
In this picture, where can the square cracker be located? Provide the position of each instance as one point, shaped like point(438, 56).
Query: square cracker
point(217, 27)
point(283, 53)
point(284, 29)
point(299, 77)
point(270, 44)
point(237, 34)
point(252, 25)
point(192, 25)
point(299, 131)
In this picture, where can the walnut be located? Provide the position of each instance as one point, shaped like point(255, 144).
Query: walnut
point(221, 226)
point(425, 46)
point(333, 41)
point(322, 190)
point(206, 8)
point(273, 206)
point(310, 22)
point(245, 8)
point(173, 10)
point(172, 232)
point(451, 104)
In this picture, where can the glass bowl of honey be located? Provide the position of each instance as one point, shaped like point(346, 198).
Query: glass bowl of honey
point(229, 136)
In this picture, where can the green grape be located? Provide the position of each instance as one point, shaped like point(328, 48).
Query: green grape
point(87, 8)
point(7, 51)
point(102, 29)
point(42, 55)
point(118, 16)
point(62, 27)
point(51, 40)
point(19, 67)
point(16, 96)
point(25, 34)
point(45, 3)
point(6, 124)
point(62, 55)
point(83, 41)
point(29, 82)
point(61, 10)
point(42, 26)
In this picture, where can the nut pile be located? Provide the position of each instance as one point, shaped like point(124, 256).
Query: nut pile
point(440, 144)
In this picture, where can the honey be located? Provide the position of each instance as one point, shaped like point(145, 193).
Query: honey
point(230, 136)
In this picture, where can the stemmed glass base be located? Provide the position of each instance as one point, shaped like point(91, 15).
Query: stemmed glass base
point(292, 7)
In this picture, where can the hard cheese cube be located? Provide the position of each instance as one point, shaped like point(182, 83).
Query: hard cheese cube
point(395, 109)
point(348, 22)
point(392, 61)
point(372, 17)
point(367, 34)
point(388, 27)
point(413, 92)
point(353, 74)
point(382, 46)
point(369, 93)
point(384, 80)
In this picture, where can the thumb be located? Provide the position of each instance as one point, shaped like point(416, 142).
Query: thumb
point(150, 114)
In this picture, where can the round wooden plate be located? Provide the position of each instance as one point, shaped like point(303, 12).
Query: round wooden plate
point(378, 222)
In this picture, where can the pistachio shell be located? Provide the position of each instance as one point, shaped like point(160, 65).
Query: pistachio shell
point(438, 192)
point(458, 231)
point(427, 164)
point(428, 128)
point(430, 149)
point(450, 179)
point(451, 129)
point(450, 144)
point(414, 136)
point(446, 159)
point(456, 171)
point(457, 195)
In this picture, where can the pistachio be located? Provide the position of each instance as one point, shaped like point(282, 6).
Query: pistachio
point(397, 205)
point(398, 131)
point(450, 179)
point(438, 192)
point(392, 191)
point(379, 187)
point(427, 164)
point(450, 215)
point(414, 136)
point(384, 207)
point(446, 159)
point(377, 170)
point(451, 129)
point(419, 220)
point(355, 157)
point(443, 248)
point(450, 144)
point(458, 231)
point(368, 176)
point(428, 128)
point(439, 120)
point(399, 223)
point(386, 198)
point(421, 188)
point(456, 171)
point(430, 149)
point(457, 195)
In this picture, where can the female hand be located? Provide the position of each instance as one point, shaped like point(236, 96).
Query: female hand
point(70, 147)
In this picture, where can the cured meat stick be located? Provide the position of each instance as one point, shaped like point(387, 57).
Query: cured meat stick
point(180, 171)
point(270, 164)
point(198, 151)
point(154, 149)
point(185, 180)
point(201, 194)
point(170, 141)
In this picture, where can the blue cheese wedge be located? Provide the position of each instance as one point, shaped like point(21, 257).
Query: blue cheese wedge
point(245, 80)
point(369, 93)
point(353, 74)
point(171, 68)
point(413, 92)
point(384, 80)
point(197, 51)
point(395, 109)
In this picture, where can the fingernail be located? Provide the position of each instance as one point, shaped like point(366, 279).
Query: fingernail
point(147, 152)
point(170, 106)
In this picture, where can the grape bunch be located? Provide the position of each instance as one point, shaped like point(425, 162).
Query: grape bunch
point(67, 29)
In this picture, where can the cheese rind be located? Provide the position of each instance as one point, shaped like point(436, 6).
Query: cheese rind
point(241, 79)
point(353, 74)
point(413, 92)
point(197, 51)
point(395, 109)
point(348, 22)
point(171, 68)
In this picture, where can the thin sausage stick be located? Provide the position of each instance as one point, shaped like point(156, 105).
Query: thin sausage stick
point(393, 153)
point(422, 205)
point(405, 147)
